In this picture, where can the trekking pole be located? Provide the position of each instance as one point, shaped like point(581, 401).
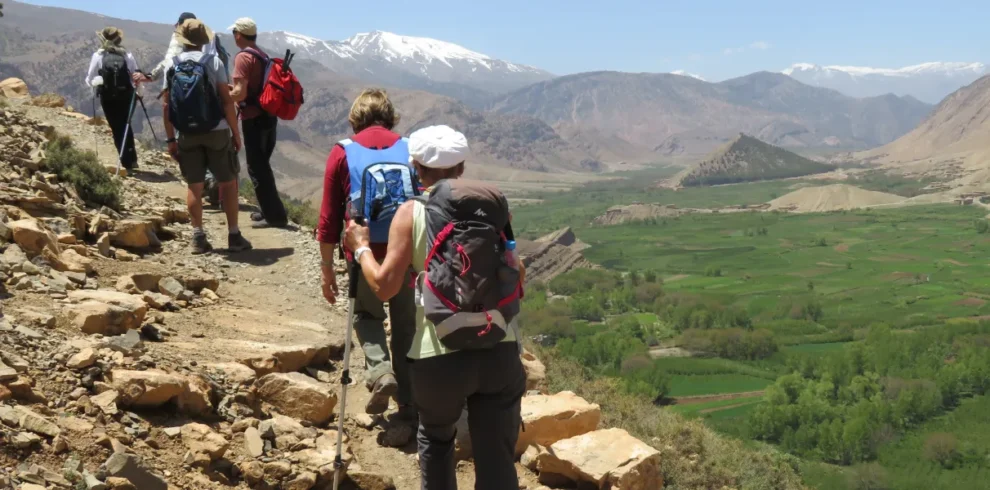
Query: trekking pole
point(345, 376)
point(96, 135)
point(123, 138)
point(150, 124)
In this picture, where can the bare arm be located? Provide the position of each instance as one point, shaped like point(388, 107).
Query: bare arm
point(238, 91)
point(169, 129)
point(230, 113)
point(388, 278)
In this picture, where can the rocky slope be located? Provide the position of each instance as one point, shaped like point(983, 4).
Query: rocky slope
point(126, 363)
point(747, 159)
point(951, 144)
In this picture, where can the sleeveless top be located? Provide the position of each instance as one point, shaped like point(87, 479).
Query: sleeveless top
point(425, 342)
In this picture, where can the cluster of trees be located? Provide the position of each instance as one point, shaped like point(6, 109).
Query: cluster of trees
point(731, 343)
point(842, 407)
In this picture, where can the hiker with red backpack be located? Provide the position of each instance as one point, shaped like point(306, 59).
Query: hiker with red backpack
point(260, 128)
point(355, 167)
point(197, 105)
point(111, 72)
point(465, 349)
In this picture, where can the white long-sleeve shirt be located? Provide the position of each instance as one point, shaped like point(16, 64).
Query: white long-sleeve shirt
point(175, 48)
point(96, 63)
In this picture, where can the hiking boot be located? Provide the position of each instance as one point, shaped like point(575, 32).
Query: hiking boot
point(200, 244)
point(257, 216)
point(265, 224)
point(384, 389)
point(237, 243)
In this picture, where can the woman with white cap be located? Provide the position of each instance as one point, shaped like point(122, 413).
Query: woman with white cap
point(491, 382)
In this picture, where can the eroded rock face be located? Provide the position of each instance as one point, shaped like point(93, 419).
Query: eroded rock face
point(297, 395)
point(14, 88)
point(94, 317)
point(147, 389)
point(609, 458)
point(536, 372)
point(135, 234)
point(33, 237)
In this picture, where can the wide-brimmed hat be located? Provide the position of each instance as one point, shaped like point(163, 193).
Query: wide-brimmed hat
point(193, 33)
point(112, 34)
point(184, 17)
point(438, 147)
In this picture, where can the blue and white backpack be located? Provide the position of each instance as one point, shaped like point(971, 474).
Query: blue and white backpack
point(194, 106)
point(381, 181)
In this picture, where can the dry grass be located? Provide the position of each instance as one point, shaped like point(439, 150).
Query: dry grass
point(693, 456)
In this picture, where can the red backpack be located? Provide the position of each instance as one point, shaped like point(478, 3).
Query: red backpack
point(281, 94)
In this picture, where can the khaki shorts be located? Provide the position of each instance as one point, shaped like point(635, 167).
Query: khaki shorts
point(213, 151)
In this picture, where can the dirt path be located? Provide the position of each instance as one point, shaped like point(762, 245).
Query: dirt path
point(694, 400)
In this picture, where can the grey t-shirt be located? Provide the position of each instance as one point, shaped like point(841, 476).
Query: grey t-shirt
point(214, 69)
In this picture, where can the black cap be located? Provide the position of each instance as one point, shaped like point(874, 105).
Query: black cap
point(184, 17)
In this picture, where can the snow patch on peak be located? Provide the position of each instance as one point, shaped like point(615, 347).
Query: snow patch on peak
point(686, 74)
point(393, 46)
point(948, 68)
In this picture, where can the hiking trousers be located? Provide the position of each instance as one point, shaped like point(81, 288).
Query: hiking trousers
point(369, 325)
point(259, 145)
point(116, 111)
point(492, 383)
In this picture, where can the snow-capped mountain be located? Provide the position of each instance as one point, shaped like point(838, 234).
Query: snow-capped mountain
point(929, 82)
point(410, 62)
point(684, 73)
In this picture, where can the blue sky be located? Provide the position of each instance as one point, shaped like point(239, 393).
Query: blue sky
point(716, 39)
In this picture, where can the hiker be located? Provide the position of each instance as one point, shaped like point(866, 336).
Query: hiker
point(451, 367)
point(197, 104)
point(174, 49)
point(372, 118)
point(258, 126)
point(114, 65)
point(211, 190)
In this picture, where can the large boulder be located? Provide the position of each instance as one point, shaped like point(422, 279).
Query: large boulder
point(198, 281)
point(201, 439)
point(132, 303)
point(135, 234)
point(609, 458)
point(33, 237)
point(197, 398)
point(94, 317)
point(137, 283)
point(14, 88)
point(287, 359)
point(75, 262)
point(297, 395)
point(147, 389)
point(551, 418)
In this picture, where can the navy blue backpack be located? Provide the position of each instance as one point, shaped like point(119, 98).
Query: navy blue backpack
point(194, 105)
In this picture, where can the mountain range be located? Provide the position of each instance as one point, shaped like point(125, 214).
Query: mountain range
point(929, 82)
point(524, 124)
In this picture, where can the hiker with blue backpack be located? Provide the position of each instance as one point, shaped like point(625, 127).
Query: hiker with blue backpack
point(198, 106)
point(372, 170)
point(110, 73)
point(465, 351)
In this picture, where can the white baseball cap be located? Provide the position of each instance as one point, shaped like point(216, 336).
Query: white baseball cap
point(438, 147)
point(245, 25)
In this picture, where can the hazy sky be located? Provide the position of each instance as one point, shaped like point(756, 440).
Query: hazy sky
point(716, 39)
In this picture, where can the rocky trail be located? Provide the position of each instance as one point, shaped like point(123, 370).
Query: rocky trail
point(127, 363)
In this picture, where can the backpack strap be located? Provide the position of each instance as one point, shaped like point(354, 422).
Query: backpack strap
point(344, 142)
point(253, 98)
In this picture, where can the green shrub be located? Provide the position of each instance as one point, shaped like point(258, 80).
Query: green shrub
point(713, 271)
point(943, 448)
point(869, 476)
point(982, 226)
point(83, 170)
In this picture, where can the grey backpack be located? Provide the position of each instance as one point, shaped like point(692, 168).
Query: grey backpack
point(467, 289)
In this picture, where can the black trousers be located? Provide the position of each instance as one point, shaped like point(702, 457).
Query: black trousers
point(116, 111)
point(491, 383)
point(259, 136)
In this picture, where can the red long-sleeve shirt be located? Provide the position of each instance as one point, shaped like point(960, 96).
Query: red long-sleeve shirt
point(337, 187)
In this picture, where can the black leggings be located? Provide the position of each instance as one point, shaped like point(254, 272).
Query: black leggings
point(116, 111)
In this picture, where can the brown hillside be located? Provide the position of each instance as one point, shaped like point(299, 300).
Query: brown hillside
point(834, 197)
point(552, 255)
point(747, 159)
point(950, 144)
